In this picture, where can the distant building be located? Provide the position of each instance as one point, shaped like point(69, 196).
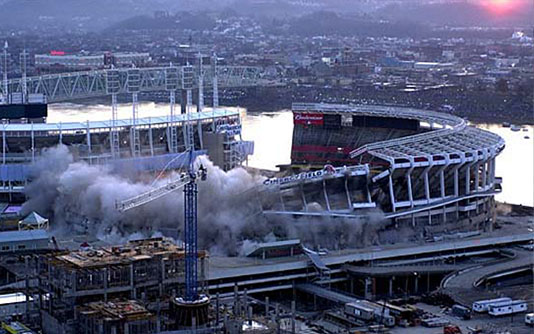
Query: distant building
point(431, 65)
point(90, 61)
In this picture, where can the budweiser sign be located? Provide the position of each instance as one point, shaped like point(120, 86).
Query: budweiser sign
point(308, 118)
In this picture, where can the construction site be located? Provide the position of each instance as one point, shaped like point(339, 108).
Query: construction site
point(385, 221)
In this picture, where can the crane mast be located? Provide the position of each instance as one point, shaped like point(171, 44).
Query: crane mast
point(190, 197)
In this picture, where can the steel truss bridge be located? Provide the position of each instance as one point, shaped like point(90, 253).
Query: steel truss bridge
point(79, 85)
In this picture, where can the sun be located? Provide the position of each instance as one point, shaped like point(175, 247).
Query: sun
point(501, 7)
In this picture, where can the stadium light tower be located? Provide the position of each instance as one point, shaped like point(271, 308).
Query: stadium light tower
point(23, 64)
point(6, 83)
point(200, 84)
point(113, 88)
point(171, 85)
point(133, 84)
point(215, 82)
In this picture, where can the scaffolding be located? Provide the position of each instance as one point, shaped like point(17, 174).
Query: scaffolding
point(148, 270)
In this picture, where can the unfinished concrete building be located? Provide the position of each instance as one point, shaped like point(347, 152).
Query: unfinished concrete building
point(150, 271)
point(121, 317)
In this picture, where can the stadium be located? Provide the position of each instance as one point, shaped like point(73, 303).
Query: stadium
point(417, 167)
point(146, 144)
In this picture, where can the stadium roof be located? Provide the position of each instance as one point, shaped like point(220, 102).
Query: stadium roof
point(431, 117)
point(471, 141)
point(449, 135)
point(80, 126)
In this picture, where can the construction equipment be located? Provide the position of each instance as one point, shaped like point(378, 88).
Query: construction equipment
point(188, 181)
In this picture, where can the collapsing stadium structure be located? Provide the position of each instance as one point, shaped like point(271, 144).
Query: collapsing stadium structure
point(416, 166)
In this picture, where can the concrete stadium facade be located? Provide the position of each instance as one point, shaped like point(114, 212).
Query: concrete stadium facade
point(415, 166)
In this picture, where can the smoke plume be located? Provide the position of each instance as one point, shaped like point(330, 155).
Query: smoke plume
point(78, 196)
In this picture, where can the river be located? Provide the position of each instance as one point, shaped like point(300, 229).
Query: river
point(272, 134)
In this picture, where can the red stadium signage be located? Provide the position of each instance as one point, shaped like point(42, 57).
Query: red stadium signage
point(57, 53)
point(307, 118)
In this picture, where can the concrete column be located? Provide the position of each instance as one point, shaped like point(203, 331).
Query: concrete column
point(4, 146)
point(133, 291)
point(427, 188)
point(410, 193)
point(60, 134)
point(33, 143)
point(492, 171)
point(477, 177)
point(442, 180)
point(162, 276)
point(245, 300)
point(368, 288)
point(293, 312)
point(349, 202)
point(266, 306)
point(150, 137)
point(392, 192)
point(326, 196)
point(183, 103)
point(110, 134)
point(199, 129)
point(73, 279)
point(416, 284)
point(456, 182)
point(236, 299)
point(217, 311)
point(303, 197)
point(105, 284)
point(485, 173)
point(390, 291)
point(468, 179)
point(88, 140)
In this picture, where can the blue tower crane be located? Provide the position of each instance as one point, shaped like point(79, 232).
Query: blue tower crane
point(188, 181)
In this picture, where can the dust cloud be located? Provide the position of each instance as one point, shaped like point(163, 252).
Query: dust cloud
point(80, 198)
